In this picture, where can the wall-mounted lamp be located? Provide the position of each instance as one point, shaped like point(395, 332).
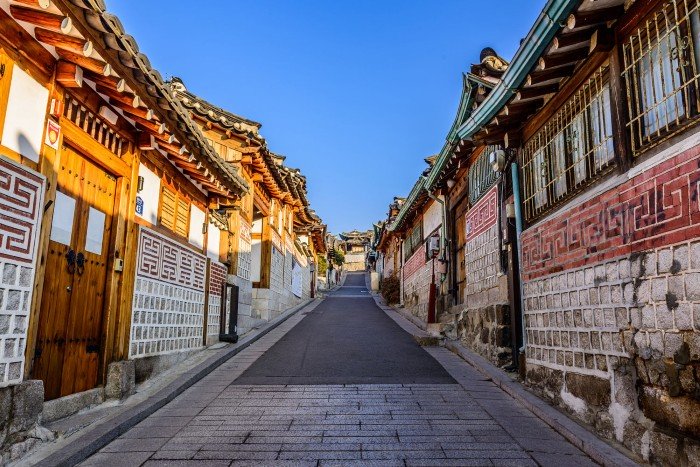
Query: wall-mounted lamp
point(497, 159)
point(139, 184)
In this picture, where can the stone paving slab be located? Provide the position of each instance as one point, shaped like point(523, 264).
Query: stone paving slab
point(216, 422)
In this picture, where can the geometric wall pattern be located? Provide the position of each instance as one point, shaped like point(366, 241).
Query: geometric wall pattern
point(217, 278)
point(244, 254)
point(21, 202)
point(168, 306)
point(658, 207)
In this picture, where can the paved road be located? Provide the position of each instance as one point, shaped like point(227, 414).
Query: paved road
point(341, 384)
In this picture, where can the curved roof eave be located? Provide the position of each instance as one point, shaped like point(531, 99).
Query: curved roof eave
point(541, 34)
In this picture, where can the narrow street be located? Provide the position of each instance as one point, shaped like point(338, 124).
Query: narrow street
point(340, 383)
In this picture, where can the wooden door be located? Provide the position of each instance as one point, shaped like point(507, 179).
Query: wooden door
point(70, 323)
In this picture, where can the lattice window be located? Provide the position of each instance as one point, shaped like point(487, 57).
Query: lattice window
point(94, 126)
point(571, 150)
point(481, 175)
point(662, 59)
point(413, 241)
point(174, 211)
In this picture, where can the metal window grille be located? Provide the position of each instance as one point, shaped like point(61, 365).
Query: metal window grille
point(661, 73)
point(571, 150)
point(94, 126)
point(481, 175)
point(413, 241)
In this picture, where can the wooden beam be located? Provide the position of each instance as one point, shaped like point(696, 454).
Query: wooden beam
point(548, 74)
point(96, 66)
point(130, 100)
point(594, 17)
point(602, 40)
point(572, 38)
point(43, 4)
point(563, 58)
point(521, 108)
point(146, 141)
point(69, 74)
point(110, 82)
point(42, 18)
point(63, 41)
point(536, 91)
point(153, 127)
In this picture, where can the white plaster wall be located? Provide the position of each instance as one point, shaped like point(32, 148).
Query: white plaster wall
point(213, 242)
point(255, 252)
point(196, 236)
point(432, 219)
point(26, 113)
point(150, 195)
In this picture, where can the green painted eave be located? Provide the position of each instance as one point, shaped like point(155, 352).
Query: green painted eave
point(548, 23)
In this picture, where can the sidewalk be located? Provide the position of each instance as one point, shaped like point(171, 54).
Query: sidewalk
point(520, 398)
point(84, 433)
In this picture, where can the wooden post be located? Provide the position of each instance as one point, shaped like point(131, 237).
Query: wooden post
point(618, 110)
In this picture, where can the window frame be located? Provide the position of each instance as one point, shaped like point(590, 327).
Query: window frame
point(180, 199)
point(685, 26)
point(551, 171)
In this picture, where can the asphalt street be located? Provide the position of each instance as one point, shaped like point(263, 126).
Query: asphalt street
point(341, 384)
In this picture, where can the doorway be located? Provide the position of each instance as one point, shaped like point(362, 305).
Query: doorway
point(72, 306)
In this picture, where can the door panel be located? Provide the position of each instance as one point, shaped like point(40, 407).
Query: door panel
point(72, 306)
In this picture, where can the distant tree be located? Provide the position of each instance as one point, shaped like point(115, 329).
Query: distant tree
point(322, 265)
point(338, 257)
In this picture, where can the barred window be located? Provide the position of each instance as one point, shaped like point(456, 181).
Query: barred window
point(481, 175)
point(661, 73)
point(414, 240)
point(571, 150)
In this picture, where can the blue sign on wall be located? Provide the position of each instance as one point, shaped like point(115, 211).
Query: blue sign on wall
point(139, 205)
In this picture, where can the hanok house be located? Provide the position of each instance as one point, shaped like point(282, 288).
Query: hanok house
point(272, 235)
point(105, 187)
point(598, 111)
point(355, 246)
point(418, 227)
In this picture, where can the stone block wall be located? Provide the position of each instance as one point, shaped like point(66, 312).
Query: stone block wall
point(417, 274)
point(612, 307)
point(482, 321)
point(168, 303)
point(21, 208)
point(217, 277)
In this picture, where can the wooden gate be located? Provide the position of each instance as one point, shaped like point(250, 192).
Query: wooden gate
point(70, 322)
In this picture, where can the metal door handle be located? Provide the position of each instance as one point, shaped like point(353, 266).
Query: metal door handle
point(80, 263)
point(70, 259)
point(69, 289)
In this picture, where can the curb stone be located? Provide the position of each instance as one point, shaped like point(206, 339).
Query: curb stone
point(597, 449)
point(102, 434)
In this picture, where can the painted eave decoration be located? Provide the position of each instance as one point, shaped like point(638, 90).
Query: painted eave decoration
point(90, 44)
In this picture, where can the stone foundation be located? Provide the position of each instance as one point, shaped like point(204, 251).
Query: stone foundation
point(20, 415)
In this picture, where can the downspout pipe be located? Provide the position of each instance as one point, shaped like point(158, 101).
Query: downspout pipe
point(443, 226)
point(518, 232)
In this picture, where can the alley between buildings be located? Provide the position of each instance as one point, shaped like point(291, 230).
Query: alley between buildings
point(341, 383)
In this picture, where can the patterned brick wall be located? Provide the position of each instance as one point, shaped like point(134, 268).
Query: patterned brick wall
point(217, 278)
point(277, 271)
point(658, 207)
point(244, 251)
point(414, 263)
point(482, 321)
point(612, 307)
point(168, 306)
point(21, 207)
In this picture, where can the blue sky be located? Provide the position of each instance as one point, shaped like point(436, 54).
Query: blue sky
point(355, 93)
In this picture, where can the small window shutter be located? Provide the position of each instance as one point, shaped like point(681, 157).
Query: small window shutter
point(168, 203)
point(182, 218)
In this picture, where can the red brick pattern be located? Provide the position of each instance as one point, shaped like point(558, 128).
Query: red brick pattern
point(658, 207)
point(217, 277)
point(163, 259)
point(483, 214)
point(20, 211)
point(415, 262)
